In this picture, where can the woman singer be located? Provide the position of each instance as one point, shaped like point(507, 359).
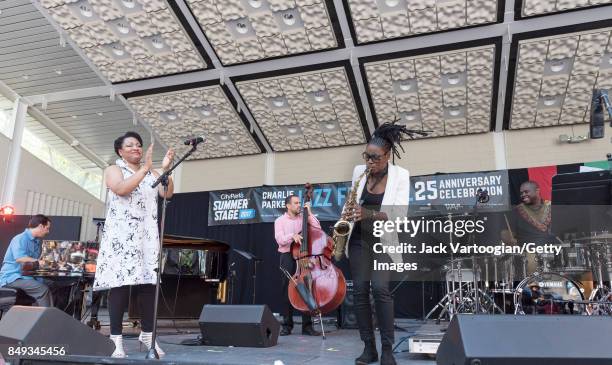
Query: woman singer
point(129, 248)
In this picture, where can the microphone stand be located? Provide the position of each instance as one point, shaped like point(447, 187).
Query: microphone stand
point(163, 179)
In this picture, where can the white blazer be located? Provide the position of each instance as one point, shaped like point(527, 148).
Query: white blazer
point(395, 200)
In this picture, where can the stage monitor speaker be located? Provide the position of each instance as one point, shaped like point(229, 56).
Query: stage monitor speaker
point(239, 325)
point(526, 340)
point(31, 326)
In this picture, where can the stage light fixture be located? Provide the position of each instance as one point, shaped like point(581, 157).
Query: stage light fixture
point(130, 4)
point(86, 10)
point(7, 212)
point(157, 43)
point(405, 85)
point(169, 116)
point(206, 111)
point(279, 102)
point(242, 28)
point(255, 4)
point(288, 18)
point(392, 3)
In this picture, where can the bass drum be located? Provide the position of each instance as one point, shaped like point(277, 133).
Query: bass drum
point(548, 293)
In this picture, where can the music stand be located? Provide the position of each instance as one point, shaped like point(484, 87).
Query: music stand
point(249, 256)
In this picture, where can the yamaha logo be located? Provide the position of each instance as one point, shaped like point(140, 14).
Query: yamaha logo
point(550, 284)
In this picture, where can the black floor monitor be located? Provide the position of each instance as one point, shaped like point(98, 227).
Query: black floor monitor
point(582, 203)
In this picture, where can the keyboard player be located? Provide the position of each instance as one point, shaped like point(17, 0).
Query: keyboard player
point(25, 249)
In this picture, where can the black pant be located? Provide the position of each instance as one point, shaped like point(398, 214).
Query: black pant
point(361, 264)
point(118, 299)
point(288, 263)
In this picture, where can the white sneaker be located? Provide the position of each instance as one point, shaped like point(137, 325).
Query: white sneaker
point(145, 338)
point(118, 341)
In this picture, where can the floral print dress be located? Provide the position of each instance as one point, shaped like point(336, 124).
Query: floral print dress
point(130, 242)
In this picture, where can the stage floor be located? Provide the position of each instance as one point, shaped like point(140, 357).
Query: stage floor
point(340, 348)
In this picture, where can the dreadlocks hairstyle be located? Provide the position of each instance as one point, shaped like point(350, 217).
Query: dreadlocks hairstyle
point(389, 136)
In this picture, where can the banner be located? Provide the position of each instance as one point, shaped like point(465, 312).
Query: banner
point(429, 195)
point(266, 203)
point(457, 193)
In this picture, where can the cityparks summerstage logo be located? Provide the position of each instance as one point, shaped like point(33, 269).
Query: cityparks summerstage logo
point(266, 203)
point(232, 206)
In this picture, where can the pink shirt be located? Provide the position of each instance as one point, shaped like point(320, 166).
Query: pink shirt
point(286, 226)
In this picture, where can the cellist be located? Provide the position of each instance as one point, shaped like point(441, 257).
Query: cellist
point(287, 229)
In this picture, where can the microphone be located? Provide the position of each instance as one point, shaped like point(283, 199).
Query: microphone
point(483, 195)
point(194, 141)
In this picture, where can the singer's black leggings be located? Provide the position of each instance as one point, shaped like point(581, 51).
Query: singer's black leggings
point(118, 300)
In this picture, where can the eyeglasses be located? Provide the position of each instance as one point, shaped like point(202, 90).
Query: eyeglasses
point(374, 157)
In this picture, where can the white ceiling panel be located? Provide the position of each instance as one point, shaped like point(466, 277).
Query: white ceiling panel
point(555, 76)
point(544, 7)
point(32, 61)
point(204, 111)
point(377, 20)
point(250, 30)
point(305, 110)
point(448, 93)
point(127, 39)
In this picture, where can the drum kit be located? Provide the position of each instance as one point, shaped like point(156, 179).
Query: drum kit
point(530, 284)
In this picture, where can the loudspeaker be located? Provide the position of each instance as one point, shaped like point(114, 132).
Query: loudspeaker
point(31, 326)
point(526, 340)
point(239, 325)
point(347, 309)
point(596, 125)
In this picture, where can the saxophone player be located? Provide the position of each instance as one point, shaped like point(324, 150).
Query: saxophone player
point(380, 194)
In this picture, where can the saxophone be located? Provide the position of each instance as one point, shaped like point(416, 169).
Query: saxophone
point(344, 226)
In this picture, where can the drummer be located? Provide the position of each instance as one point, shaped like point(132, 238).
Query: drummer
point(530, 221)
point(531, 218)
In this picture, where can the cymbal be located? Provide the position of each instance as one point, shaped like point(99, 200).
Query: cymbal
point(602, 236)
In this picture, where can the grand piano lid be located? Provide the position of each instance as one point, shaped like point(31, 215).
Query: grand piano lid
point(171, 240)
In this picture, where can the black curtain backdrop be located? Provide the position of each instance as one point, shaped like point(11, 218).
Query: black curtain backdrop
point(187, 216)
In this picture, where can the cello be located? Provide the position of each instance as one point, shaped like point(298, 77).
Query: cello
point(317, 287)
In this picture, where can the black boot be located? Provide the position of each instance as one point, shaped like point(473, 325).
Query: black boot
point(309, 331)
point(386, 358)
point(369, 355)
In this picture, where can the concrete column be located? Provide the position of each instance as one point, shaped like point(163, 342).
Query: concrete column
point(270, 165)
point(12, 171)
